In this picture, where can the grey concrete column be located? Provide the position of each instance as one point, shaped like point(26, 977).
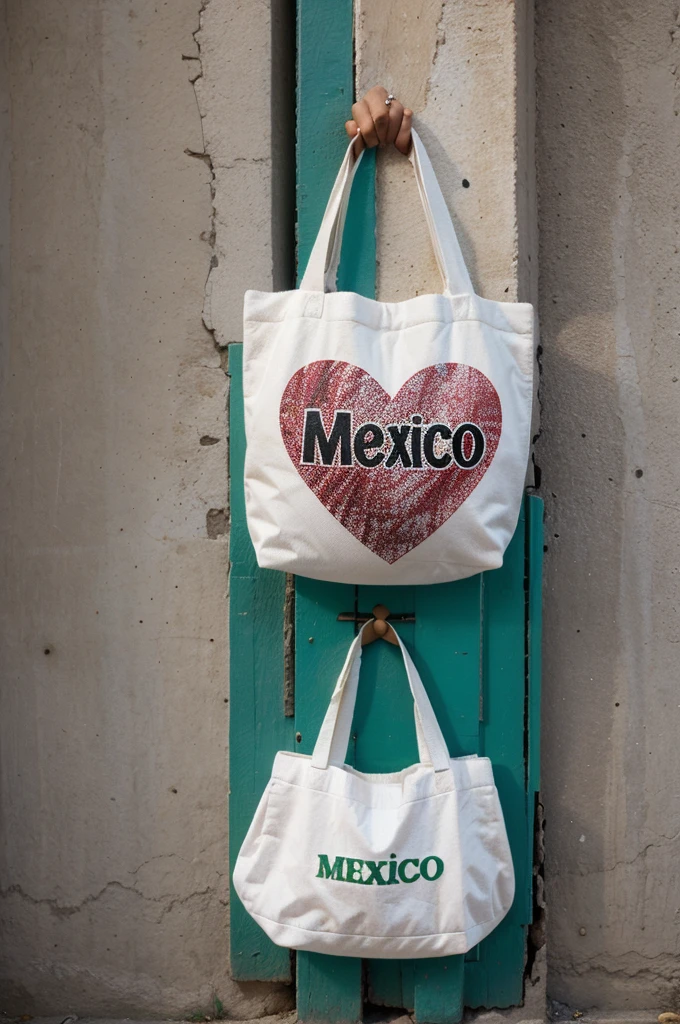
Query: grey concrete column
point(609, 132)
point(465, 69)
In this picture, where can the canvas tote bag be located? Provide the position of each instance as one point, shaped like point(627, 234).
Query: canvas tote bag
point(387, 442)
point(411, 864)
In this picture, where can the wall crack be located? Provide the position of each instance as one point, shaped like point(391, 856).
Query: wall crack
point(64, 910)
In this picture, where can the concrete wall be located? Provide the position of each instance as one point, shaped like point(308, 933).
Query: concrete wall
point(455, 65)
point(609, 180)
point(113, 857)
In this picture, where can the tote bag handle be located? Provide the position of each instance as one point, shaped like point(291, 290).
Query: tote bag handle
point(322, 268)
point(333, 738)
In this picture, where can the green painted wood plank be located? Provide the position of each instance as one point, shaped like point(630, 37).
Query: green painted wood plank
point(383, 721)
point(445, 643)
point(448, 648)
point(325, 91)
point(439, 990)
point(497, 977)
point(321, 645)
point(328, 989)
point(241, 551)
point(357, 260)
point(385, 737)
point(503, 673)
point(449, 616)
point(257, 728)
point(534, 507)
point(386, 986)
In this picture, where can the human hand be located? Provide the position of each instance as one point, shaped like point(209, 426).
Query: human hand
point(376, 122)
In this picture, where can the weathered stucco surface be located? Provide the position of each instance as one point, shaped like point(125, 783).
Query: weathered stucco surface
point(113, 857)
point(245, 96)
point(455, 65)
point(609, 180)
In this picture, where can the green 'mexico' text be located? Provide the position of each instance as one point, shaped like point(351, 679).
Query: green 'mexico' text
point(380, 872)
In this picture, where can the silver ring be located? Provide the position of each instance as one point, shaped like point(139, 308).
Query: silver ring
point(389, 100)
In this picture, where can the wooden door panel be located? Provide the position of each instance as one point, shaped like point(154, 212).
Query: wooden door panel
point(476, 642)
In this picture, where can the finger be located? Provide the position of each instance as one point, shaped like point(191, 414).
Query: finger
point(396, 113)
point(352, 129)
point(380, 112)
point(362, 116)
point(403, 140)
point(376, 95)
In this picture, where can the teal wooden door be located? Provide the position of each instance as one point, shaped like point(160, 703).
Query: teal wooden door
point(475, 642)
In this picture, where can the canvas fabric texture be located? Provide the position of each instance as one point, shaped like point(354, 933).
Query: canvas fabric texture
point(410, 864)
point(387, 442)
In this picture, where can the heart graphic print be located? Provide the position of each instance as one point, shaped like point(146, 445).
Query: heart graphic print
point(391, 470)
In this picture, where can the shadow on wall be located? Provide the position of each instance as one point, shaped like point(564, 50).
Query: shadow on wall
point(600, 782)
point(448, 171)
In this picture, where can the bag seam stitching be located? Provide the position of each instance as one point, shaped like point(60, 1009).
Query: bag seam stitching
point(353, 935)
point(382, 327)
point(406, 803)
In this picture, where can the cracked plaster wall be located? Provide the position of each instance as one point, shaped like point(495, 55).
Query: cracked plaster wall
point(113, 854)
point(461, 68)
point(608, 139)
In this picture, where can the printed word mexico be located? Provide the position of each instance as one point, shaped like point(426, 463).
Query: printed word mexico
point(380, 872)
point(412, 444)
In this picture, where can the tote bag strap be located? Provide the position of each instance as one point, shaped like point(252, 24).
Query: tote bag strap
point(331, 744)
point(322, 268)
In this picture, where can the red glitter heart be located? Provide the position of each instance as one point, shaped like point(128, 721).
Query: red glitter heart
point(390, 509)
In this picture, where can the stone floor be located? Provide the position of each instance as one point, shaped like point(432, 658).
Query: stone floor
point(555, 1013)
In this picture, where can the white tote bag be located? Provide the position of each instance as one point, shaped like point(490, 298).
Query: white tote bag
point(412, 864)
point(387, 442)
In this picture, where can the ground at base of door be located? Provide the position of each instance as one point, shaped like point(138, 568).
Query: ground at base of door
point(377, 1016)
